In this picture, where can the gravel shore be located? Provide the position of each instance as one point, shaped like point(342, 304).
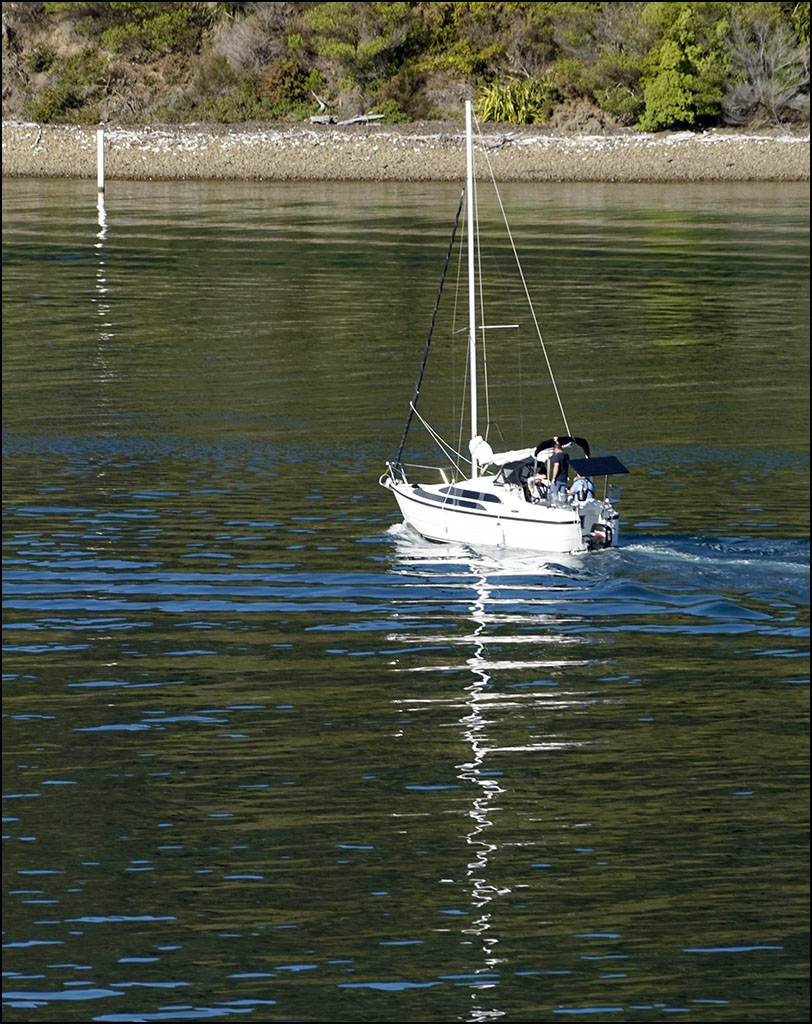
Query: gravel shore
point(415, 152)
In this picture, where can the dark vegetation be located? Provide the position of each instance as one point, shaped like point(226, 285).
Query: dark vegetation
point(567, 65)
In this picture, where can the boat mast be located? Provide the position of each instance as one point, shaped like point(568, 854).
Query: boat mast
point(469, 188)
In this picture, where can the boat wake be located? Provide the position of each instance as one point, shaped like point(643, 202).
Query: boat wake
point(778, 569)
point(728, 582)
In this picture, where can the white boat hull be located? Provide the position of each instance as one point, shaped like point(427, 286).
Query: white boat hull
point(480, 514)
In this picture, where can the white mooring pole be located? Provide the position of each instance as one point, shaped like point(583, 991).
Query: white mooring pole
point(100, 159)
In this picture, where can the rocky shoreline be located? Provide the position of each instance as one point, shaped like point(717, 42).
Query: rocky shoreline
point(414, 152)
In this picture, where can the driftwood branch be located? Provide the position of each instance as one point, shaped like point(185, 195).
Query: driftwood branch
point(331, 119)
point(362, 119)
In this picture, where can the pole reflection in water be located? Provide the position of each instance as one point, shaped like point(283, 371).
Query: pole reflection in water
point(102, 289)
point(483, 892)
point(104, 378)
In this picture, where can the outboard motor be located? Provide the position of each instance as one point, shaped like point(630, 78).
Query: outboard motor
point(600, 536)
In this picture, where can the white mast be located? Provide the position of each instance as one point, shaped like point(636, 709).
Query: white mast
point(469, 188)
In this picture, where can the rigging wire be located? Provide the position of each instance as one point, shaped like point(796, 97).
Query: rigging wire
point(422, 370)
point(475, 229)
point(483, 344)
point(443, 445)
point(458, 418)
point(524, 285)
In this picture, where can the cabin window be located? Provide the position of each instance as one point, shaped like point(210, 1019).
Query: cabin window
point(463, 492)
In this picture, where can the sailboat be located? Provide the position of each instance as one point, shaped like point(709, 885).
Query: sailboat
point(499, 499)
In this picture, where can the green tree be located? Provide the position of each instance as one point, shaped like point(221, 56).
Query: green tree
point(365, 39)
point(132, 27)
point(468, 38)
point(603, 47)
point(71, 93)
point(683, 80)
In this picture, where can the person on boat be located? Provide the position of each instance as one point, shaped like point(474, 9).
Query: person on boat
point(582, 488)
point(539, 487)
point(559, 468)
